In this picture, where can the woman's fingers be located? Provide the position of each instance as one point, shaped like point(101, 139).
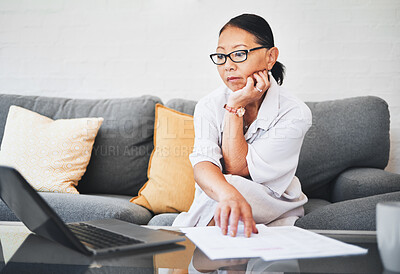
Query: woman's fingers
point(249, 83)
point(229, 212)
point(217, 216)
point(247, 218)
point(255, 230)
point(233, 221)
point(260, 81)
point(224, 219)
point(264, 75)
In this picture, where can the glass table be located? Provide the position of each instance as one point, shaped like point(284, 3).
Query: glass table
point(23, 252)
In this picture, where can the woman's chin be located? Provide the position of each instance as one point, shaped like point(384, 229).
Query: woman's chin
point(235, 87)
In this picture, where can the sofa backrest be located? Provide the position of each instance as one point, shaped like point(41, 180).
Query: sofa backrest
point(352, 132)
point(122, 147)
point(345, 133)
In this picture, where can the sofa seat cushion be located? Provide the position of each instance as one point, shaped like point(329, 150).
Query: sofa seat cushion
point(315, 204)
point(165, 219)
point(82, 207)
point(356, 214)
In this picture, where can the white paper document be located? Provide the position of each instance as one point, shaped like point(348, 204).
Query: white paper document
point(271, 243)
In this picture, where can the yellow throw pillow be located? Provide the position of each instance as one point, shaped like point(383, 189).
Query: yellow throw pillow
point(52, 155)
point(171, 185)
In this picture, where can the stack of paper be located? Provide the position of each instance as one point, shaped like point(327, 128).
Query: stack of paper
point(271, 243)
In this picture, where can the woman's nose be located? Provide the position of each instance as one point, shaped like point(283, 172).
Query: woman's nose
point(229, 64)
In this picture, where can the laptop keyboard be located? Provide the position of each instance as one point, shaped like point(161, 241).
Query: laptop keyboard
point(97, 238)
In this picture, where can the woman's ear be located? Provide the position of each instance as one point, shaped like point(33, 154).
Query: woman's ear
point(272, 57)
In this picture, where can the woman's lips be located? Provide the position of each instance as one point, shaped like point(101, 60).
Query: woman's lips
point(233, 79)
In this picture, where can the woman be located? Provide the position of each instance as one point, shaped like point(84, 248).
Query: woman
point(248, 136)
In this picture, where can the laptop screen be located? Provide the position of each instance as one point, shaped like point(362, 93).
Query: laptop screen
point(33, 211)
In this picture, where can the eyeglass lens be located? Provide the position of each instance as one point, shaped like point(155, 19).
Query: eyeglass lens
point(236, 56)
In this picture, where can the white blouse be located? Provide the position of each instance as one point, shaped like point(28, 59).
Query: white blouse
point(274, 141)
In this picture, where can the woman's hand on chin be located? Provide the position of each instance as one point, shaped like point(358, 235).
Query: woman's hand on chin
point(230, 210)
point(252, 91)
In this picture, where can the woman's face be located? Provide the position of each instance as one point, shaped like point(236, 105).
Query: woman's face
point(234, 74)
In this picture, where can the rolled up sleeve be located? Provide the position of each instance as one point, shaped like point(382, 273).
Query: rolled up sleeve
point(272, 158)
point(206, 141)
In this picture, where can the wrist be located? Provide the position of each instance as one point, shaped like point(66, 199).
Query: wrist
point(239, 111)
point(227, 194)
point(234, 104)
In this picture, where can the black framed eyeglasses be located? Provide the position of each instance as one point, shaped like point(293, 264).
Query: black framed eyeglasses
point(236, 56)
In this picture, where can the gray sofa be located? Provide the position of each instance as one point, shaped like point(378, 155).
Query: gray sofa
point(341, 162)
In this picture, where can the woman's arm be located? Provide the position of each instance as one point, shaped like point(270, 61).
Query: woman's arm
point(234, 145)
point(232, 206)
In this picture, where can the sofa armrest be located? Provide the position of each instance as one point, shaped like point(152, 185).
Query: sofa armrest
point(363, 182)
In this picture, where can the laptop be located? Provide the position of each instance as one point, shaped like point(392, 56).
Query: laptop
point(89, 237)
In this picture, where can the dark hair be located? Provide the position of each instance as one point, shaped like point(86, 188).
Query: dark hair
point(260, 28)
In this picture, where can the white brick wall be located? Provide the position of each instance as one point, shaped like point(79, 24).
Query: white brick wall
point(100, 49)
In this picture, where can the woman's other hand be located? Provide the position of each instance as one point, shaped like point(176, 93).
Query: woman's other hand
point(251, 92)
point(230, 210)
point(232, 206)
